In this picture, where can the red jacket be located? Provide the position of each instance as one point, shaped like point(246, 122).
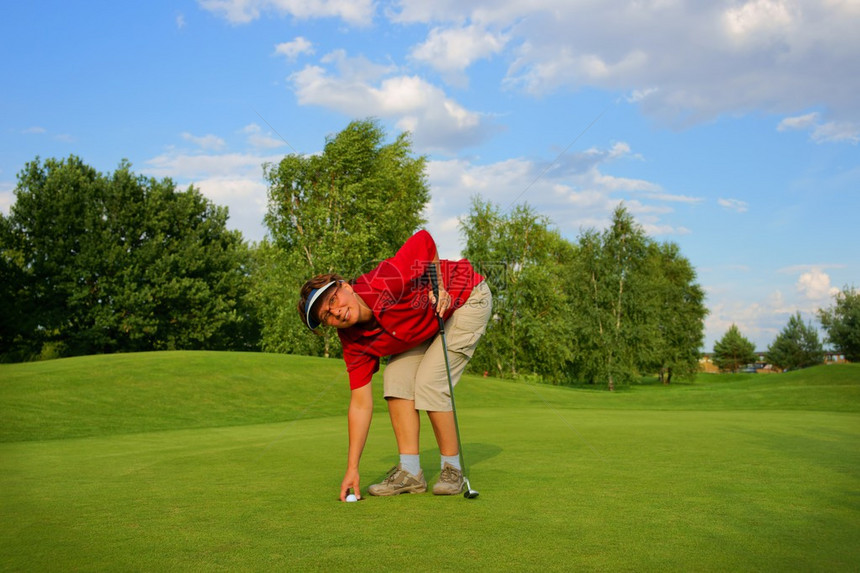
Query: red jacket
point(397, 292)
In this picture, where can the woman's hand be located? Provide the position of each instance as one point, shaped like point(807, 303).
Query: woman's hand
point(350, 481)
point(442, 303)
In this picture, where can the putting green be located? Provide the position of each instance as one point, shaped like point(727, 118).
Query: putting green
point(565, 483)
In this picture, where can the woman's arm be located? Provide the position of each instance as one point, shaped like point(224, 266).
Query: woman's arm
point(360, 414)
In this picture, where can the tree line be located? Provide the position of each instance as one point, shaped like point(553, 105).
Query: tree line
point(606, 309)
point(101, 263)
point(797, 345)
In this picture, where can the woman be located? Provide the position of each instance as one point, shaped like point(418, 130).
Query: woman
point(392, 311)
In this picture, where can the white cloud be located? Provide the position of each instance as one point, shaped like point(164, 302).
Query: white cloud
point(357, 68)
point(638, 95)
point(180, 21)
point(821, 131)
point(815, 285)
point(613, 183)
point(234, 180)
point(675, 198)
point(760, 21)
point(246, 200)
point(294, 49)
point(358, 12)
point(759, 322)
point(681, 61)
point(802, 268)
point(360, 89)
point(759, 311)
point(654, 230)
point(452, 50)
point(799, 122)
point(576, 195)
point(762, 309)
point(837, 132)
point(208, 142)
point(193, 166)
point(258, 139)
point(733, 204)
point(35, 130)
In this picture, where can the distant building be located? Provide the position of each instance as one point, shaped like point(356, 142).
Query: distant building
point(831, 357)
point(706, 364)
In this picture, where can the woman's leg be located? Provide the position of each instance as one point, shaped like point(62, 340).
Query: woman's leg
point(445, 431)
point(406, 424)
point(399, 381)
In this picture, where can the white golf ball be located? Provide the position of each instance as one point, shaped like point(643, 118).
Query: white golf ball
point(351, 497)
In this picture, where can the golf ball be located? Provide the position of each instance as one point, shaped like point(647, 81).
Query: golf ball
point(351, 497)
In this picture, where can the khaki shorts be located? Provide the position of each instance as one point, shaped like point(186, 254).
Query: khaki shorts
point(419, 373)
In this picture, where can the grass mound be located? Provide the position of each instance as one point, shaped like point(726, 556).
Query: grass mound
point(225, 461)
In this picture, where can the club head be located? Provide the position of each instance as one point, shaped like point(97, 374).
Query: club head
point(470, 493)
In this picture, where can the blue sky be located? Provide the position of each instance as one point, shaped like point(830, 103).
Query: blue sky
point(730, 128)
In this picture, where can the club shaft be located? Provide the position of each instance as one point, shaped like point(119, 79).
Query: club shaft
point(451, 391)
point(434, 284)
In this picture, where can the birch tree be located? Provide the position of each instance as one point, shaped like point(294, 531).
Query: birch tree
point(525, 262)
point(616, 314)
point(341, 211)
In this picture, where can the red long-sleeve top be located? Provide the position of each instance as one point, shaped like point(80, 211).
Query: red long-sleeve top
point(397, 292)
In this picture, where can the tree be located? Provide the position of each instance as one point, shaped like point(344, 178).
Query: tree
point(680, 330)
point(119, 262)
point(842, 323)
point(17, 321)
point(608, 309)
point(613, 297)
point(341, 211)
point(797, 346)
point(733, 350)
point(524, 262)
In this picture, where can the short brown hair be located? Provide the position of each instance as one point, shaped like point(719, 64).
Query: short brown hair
point(314, 283)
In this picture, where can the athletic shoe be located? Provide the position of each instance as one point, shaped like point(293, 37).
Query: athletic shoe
point(450, 482)
point(398, 481)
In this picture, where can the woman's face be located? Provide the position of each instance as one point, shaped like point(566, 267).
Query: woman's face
point(339, 307)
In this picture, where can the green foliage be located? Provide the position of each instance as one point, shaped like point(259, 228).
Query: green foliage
point(18, 320)
point(637, 307)
point(342, 211)
point(116, 263)
point(611, 282)
point(842, 323)
point(733, 351)
point(680, 312)
point(524, 263)
point(608, 309)
point(797, 346)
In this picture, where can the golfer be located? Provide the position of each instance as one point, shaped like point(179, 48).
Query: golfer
point(391, 311)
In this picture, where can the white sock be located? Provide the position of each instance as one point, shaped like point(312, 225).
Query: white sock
point(453, 460)
point(411, 463)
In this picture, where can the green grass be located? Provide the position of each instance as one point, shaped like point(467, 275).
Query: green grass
point(217, 461)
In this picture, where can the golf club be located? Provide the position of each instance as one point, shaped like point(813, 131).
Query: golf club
point(434, 281)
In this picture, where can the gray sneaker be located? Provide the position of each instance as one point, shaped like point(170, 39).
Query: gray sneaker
point(398, 481)
point(450, 482)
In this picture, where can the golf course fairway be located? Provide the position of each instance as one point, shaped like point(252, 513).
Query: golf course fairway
point(208, 461)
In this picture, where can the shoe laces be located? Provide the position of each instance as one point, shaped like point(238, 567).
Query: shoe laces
point(393, 474)
point(449, 474)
